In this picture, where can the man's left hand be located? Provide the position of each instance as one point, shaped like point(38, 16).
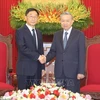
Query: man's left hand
point(80, 76)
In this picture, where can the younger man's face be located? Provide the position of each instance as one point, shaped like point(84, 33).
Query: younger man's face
point(32, 18)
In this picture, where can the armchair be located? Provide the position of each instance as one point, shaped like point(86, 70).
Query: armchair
point(92, 85)
point(5, 63)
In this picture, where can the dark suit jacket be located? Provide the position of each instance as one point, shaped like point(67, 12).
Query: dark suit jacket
point(72, 59)
point(28, 63)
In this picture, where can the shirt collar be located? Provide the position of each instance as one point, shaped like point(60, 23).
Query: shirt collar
point(68, 31)
point(29, 27)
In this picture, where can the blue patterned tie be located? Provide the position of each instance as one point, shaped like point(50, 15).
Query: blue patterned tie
point(65, 40)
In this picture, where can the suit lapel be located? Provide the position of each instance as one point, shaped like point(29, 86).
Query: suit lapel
point(38, 38)
point(28, 31)
point(61, 38)
point(71, 37)
point(29, 35)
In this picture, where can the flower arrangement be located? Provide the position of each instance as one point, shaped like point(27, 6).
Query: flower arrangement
point(50, 13)
point(45, 91)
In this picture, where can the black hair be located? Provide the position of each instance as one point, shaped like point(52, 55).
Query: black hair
point(31, 9)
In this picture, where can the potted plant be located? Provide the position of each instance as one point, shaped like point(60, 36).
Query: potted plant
point(49, 15)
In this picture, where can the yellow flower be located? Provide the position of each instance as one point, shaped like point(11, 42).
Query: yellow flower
point(50, 15)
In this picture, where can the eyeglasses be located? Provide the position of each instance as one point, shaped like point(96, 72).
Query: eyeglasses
point(32, 17)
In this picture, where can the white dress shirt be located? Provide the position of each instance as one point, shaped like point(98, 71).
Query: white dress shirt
point(30, 28)
point(68, 31)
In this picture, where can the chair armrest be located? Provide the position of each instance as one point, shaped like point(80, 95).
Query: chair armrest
point(13, 77)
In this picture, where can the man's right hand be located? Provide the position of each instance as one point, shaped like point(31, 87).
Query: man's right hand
point(42, 59)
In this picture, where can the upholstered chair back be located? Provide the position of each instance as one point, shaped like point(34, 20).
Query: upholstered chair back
point(3, 61)
point(92, 85)
point(93, 64)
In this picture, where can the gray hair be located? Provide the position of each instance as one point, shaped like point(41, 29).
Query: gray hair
point(66, 13)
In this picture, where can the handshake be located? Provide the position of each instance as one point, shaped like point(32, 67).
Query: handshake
point(42, 59)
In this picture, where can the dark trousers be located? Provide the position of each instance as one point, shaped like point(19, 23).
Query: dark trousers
point(69, 83)
point(25, 82)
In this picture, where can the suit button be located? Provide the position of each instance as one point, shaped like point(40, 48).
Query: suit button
point(62, 60)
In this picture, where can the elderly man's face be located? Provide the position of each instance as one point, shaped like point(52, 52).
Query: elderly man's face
point(66, 21)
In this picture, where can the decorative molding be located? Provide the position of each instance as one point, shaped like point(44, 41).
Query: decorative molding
point(49, 69)
point(94, 40)
point(7, 40)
